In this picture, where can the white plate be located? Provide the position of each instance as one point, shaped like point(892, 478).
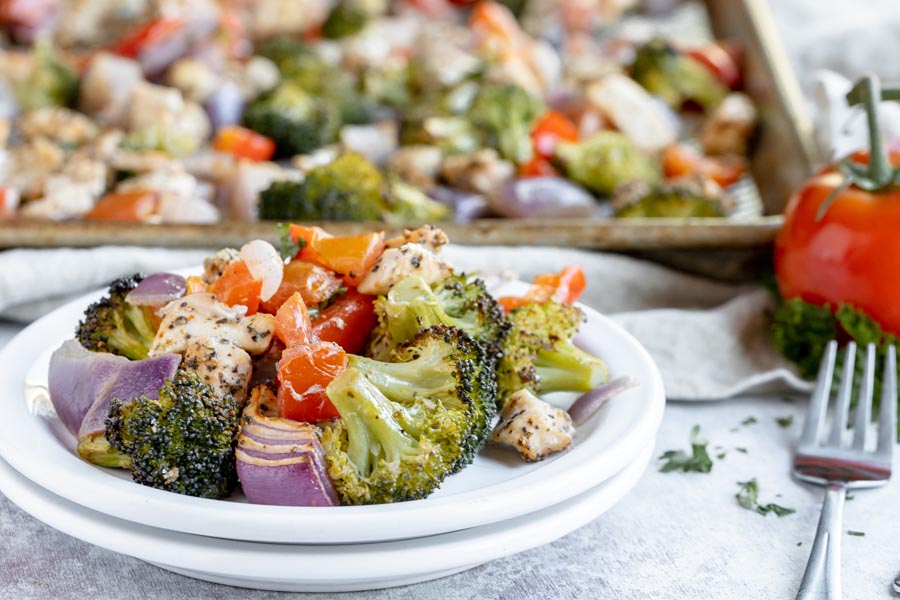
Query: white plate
point(495, 487)
point(321, 568)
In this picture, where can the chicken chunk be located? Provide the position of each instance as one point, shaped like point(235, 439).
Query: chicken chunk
point(376, 142)
point(31, 164)
point(61, 125)
point(196, 80)
point(221, 364)
point(633, 111)
point(482, 171)
point(106, 86)
point(533, 427)
point(428, 236)
point(202, 316)
point(418, 165)
point(728, 129)
point(63, 200)
point(397, 264)
point(215, 265)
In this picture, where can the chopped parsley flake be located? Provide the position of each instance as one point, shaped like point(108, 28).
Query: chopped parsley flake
point(785, 421)
point(696, 462)
point(856, 533)
point(749, 421)
point(741, 450)
point(748, 497)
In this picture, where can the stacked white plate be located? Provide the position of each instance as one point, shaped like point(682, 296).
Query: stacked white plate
point(496, 507)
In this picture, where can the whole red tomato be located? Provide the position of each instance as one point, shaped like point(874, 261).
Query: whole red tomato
point(849, 254)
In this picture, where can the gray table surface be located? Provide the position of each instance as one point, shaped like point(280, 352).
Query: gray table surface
point(678, 536)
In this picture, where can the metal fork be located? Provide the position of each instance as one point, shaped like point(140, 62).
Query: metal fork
point(843, 460)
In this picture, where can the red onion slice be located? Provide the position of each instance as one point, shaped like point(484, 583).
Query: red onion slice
point(157, 290)
point(545, 197)
point(279, 461)
point(589, 403)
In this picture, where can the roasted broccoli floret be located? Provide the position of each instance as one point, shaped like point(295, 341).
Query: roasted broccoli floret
point(408, 205)
point(674, 77)
point(301, 66)
point(457, 301)
point(347, 189)
point(49, 82)
point(345, 19)
point(183, 442)
point(408, 424)
point(296, 121)
point(453, 135)
point(507, 113)
point(678, 200)
point(113, 325)
point(605, 161)
point(538, 353)
point(96, 449)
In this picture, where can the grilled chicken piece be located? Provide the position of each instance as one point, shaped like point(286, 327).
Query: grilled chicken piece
point(61, 125)
point(633, 111)
point(107, 85)
point(428, 236)
point(481, 171)
point(202, 316)
point(418, 165)
point(397, 264)
point(215, 265)
point(31, 164)
point(533, 427)
point(728, 129)
point(221, 364)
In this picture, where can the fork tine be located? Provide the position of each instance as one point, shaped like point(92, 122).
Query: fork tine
point(842, 411)
point(818, 405)
point(887, 420)
point(864, 405)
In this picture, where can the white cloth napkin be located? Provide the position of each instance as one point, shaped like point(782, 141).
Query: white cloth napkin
point(710, 340)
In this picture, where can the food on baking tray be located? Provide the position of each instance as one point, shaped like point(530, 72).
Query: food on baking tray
point(357, 370)
point(404, 112)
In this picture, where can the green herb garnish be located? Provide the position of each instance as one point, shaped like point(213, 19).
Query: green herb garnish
point(856, 533)
point(697, 462)
point(785, 421)
point(748, 498)
point(287, 246)
point(749, 421)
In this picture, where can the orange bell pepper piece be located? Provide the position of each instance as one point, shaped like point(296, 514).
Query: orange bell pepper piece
point(124, 206)
point(304, 373)
point(237, 286)
point(292, 323)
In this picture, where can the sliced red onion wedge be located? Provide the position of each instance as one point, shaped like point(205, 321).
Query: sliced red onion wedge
point(280, 462)
point(157, 290)
point(589, 403)
point(545, 197)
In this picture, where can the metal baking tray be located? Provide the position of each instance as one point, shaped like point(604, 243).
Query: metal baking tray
point(784, 156)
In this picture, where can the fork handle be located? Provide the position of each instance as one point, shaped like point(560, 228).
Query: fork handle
point(822, 578)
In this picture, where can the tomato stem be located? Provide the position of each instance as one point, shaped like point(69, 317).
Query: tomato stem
point(879, 174)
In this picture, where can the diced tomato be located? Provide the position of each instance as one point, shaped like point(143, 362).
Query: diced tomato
point(538, 167)
point(350, 257)
point(309, 235)
point(304, 372)
point(149, 34)
point(196, 285)
point(244, 143)
point(237, 286)
point(680, 160)
point(550, 129)
point(313, 282)
point(348, 321)
point(565, 287)
point(124, 206)
point(3, 207)
point(292, 324)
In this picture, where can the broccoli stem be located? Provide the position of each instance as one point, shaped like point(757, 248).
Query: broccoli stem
point(371, 422)
point(568, 369)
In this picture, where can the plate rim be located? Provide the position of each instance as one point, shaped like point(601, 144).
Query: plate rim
point(266, 565)
point(152, 507)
